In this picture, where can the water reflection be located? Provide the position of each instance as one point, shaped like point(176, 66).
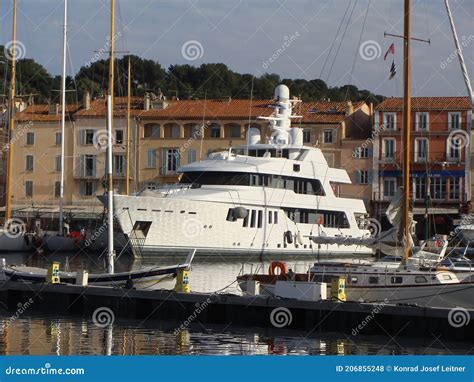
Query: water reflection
point(34, 335)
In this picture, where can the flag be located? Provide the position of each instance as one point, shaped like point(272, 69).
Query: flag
point(391, 50)
point(393, 70)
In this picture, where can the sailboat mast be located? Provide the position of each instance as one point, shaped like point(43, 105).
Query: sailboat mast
point(406, 126)
point(11, 122)
point(63, 124)
point(127, 147)
point(110, 109)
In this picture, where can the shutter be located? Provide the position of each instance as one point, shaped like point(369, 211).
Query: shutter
point(82, 166)
point(82, 187)
point(371, 152)
point(163, 164)
point(177, 152)
point(370, 176)
point(82, 137)
point(357, 177)
point(94, 165)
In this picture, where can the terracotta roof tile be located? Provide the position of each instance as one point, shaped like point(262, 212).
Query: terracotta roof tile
point(426, 103)
point(98, 107)
point(40, 113)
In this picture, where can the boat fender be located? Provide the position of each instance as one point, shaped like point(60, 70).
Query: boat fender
point(240, 212)
point(277, 264)
point(299, 238)
point(289, 237)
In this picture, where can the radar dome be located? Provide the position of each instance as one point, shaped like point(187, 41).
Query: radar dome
point(282, 92)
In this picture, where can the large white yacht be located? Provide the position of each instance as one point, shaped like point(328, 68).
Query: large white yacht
point(268, 197)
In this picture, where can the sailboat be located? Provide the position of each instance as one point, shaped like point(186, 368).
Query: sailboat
point(405, 283)
point(13, 236)
point(62, 241)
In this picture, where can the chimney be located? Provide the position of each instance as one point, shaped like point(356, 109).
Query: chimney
point(349, 108)
point(146, 105)
point(53, 109)
point(159, 104)
point(86, 100)
point(227, 99)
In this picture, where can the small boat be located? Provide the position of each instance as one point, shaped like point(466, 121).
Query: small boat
point(147, 278)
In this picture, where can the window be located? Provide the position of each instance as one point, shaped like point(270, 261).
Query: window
point(29, 163)
point(422, 121)
point(88, 164)
point(389, 121)
point(252, 219)
point(454, 188)
point(57, 189)
point(447, 277)
point(363, 177)
point(421, 150)
point(396, 280)
point(438, 188)
point(270, 217)
point(118, 137)
point(306, 136)
point(275, 217)
point(196, 131)
point(260, 218)
point(246, 219)
point(57, 163)
point(119, 164)
point(454, 121)
point(170, 161)
point(389, 186)
point(362, 152)
point(231, 215)
point(373, 280)
point(455, 144)
point(328, 136)
point(151, 159)
point(330, 219)
point(354, 280)
point(215, 131)
point(87, 188)
point(388, 148)
point(30, 138)
point(191, 156)
point(87, 137)
point(152, 130)
point(57, 139)
point(29, 188)
point(234, 131)
point(175, 131)
point(420, 188)
point(421, 280)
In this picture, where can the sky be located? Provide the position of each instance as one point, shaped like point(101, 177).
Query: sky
point(294, 38)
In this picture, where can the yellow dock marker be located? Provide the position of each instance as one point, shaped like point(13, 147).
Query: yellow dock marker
point(53, 274)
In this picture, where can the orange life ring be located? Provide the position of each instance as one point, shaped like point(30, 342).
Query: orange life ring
point(277, 264)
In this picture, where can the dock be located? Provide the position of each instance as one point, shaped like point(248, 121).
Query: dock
point(206, 308)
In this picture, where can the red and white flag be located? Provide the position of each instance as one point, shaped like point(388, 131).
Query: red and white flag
point(391, 50)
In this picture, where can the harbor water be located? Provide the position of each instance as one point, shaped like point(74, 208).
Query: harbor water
point(25, 332)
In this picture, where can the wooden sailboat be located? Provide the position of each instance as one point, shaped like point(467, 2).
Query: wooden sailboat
point(404, 283)
point(13, 237)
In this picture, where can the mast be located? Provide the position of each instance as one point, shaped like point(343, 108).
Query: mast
point(11, 122)
point(63, 124)
point(406, 127)
point(127, 146)
point(110, 109)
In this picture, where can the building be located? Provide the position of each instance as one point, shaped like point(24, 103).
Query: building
point(440, 159)
point(164, 134)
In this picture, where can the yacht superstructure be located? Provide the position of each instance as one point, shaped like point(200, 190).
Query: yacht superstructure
point(268, 197)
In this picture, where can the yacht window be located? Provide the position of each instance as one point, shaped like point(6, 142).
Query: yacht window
point(373, 280)
point(396, 280)
point(275, 217)
point(260, 218)
point(447, 277)
point(231, 215)
point(421, 280)
point(354, 280)
point(252, 219)
point(331, 219)
point(270, 215)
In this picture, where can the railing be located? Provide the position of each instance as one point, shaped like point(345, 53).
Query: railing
point(438, 127)
point(433, 157)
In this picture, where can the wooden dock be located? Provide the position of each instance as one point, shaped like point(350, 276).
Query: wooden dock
point(204, 308)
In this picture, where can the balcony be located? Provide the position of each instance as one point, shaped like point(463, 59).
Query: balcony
point(439, 127)
point(441, 158)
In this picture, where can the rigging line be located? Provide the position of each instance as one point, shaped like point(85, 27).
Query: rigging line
point(356, 54)
point(340, 41)
point(335, 38)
